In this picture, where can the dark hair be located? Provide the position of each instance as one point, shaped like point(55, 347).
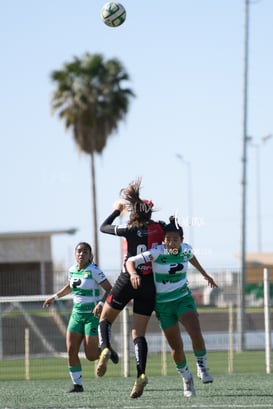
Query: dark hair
point(87, 245)
point(84, 243)
point(173, 226)
point(140, 210)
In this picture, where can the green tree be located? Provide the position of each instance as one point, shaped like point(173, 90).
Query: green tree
point(91, 98)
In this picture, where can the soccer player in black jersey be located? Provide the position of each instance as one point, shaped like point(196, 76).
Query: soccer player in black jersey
point(141, 233)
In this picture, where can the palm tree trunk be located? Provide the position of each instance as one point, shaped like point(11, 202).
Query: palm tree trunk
point(95, 244)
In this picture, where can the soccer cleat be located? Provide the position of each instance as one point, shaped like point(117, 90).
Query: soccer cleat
point(103, 360)
point(114, 356)
point(203, 374)
point(76, 388)
point(139, 386)
point(189, 390)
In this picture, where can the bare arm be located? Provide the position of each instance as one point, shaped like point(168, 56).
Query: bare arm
point(61, 293)
point(134, 277)
point(106, 285)
point(198, 266)
point(119, 209)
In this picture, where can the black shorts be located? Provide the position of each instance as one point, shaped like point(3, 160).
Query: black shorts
point(123, 292)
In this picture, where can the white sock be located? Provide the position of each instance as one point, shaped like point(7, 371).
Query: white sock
point(76, 377)
point(201, 362)
point(184, 372)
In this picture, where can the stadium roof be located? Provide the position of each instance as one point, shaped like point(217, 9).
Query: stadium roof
point(33, 234)
point(265, 259)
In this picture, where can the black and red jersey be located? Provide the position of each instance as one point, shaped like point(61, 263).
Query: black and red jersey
point(137, 240)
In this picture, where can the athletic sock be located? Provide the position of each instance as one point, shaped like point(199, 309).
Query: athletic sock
point(141, 351)
point(201, 359)
point(104, 331)
point(183, 370)
point(75, 373)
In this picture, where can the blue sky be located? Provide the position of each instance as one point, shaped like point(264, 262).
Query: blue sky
point(185, 61)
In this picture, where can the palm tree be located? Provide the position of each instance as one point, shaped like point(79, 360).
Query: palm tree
point(89, 97)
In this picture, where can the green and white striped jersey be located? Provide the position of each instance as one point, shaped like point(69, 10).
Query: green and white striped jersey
point(169, 270)
point(84, 286)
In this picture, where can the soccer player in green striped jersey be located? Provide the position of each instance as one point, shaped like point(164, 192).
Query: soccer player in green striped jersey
point(174, 301)
point(84, 281)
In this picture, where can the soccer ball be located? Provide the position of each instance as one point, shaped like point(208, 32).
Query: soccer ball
point(113, 14)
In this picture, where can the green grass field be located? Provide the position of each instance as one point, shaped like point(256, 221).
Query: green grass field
point(56, 368)
point(247, 387)
point(227, 391)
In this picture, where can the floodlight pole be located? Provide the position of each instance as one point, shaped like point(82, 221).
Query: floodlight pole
point(241, 300)
point(189, 181)
point(258, 146)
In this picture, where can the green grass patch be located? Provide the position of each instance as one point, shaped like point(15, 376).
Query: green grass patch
point(227, 391)
point(56, 368)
